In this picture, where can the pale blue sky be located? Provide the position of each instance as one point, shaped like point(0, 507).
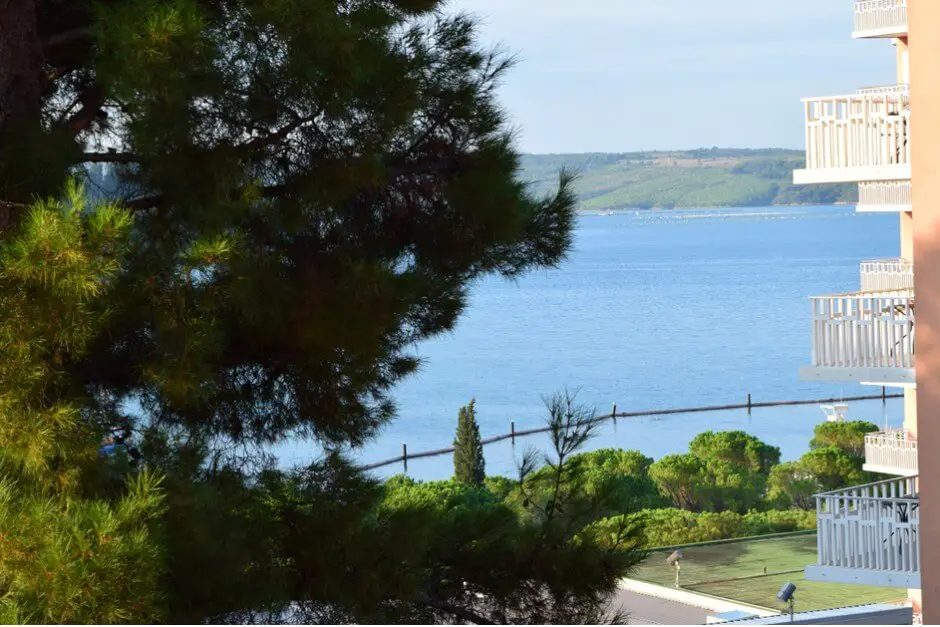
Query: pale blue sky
point(623, 75)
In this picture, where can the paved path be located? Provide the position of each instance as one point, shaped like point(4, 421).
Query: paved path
point(649, 610)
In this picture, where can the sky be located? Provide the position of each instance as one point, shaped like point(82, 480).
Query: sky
point(626, 75)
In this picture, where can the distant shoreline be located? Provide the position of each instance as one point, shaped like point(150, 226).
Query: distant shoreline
point(715, 207)
point(701, 178)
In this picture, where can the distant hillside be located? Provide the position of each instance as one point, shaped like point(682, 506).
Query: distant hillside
point(715, 177)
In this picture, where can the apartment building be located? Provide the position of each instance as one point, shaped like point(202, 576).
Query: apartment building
point(872, 534)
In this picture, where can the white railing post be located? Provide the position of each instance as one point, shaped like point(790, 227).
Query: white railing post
point(891, 451)
point(864, 330)
point(878, 17)
point(871, 527)
point(884, 275)
point(841, 131)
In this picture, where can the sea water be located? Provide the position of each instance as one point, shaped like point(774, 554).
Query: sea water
point(652, 309)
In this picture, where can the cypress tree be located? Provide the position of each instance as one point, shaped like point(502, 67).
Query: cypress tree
point(469, 465)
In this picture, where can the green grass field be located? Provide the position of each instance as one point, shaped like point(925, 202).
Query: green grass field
point(706, 569)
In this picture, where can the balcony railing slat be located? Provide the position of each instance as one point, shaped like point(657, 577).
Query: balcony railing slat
point(893, 450)
point(879, 16)
point(886, 275)
point(870, 527)
point(866, 129)
point(864, 330)
point(884, 195)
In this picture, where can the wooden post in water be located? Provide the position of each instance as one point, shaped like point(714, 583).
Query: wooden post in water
point(512, 431)
point(404, 455)
point(613, 414)
point(883, 394)
point(748, 403)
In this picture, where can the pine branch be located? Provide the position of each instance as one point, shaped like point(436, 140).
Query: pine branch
point(143, 203)
point(454, 610)
point(109, 157)
point(91, 99)
point(9, 211)
point(79, 35)
point(443, 165)
point(279, 135)
point(150, 202)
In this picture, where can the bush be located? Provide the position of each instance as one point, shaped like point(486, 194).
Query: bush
point(736, 447)
point(848, 436)
point(678, 479)
point(500, 487)
point(834, 468)
point(791, 486)
point(708, 483)
point(669, 527)
point(618, 479)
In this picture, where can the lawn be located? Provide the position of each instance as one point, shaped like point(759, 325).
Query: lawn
point(707, 569)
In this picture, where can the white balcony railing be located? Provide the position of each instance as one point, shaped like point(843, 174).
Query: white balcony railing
point(883, 275)
point(863, 337)
point(869, 534)
point(860, 137)
point(900, 88)
point(880, 18)
point(884, 196)
point(891, 452)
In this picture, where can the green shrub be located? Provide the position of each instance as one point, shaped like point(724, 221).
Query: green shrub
point(848, 436)
point(707, 483)
point(791, 486)
point(669, 527)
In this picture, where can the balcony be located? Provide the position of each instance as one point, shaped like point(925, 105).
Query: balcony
point(891, 452)
point(880, 18)
point(884, 196)
point(885, 275)
point(858, 138)
point(863, 337)
point(869, 535)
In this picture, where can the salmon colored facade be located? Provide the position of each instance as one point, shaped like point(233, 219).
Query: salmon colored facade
point(886, 139)
point(923, 43)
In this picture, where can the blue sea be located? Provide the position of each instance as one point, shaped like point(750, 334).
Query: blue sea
point(653, 309)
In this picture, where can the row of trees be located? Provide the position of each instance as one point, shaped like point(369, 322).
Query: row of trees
point(731, 474)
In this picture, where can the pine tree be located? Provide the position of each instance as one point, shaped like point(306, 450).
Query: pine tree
point(68, 553)
point(469, 465)
point(304, 190)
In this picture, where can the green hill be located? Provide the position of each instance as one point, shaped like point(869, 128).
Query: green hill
point(715, 177)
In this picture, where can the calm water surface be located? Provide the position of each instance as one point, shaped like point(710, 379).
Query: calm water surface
point(652, 310)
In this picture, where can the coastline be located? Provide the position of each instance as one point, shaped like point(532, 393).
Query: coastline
point(621, 210)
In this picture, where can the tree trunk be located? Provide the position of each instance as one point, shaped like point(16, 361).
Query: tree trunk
point(20, 64)
point(20, 82)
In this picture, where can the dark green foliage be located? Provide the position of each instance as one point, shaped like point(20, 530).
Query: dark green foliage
point(621, 476)
point(834, 468)
point(469, 464)
point(500, 487)
point(739, 449)
point(790, 485)
point(298, 194)
point(817, 194)
point(723, 486)
point(723, 471)
point(848, 436)
point(678, 478)
point(765, 168)
point(669, 527)
point(533, 558)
